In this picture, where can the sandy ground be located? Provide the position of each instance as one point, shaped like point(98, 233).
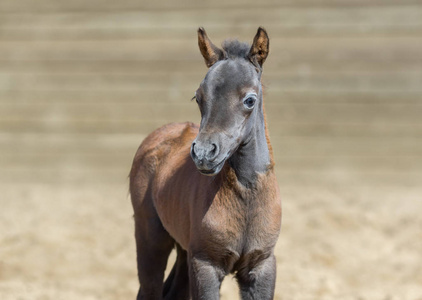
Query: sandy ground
point(75, 241)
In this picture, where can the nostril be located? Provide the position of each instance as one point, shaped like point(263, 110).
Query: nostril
point(192, 150)
point(213, 148)
point(213, 152)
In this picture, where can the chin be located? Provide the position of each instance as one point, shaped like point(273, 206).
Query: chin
point(214, 171)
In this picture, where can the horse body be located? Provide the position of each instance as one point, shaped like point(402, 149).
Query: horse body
point(227, 211)
point(224, 223)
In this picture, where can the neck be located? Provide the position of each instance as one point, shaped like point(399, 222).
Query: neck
point(253, 156)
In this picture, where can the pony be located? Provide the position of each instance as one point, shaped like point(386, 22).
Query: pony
point(210, 190)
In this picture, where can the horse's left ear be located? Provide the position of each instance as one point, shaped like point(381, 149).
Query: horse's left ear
point(260, 47)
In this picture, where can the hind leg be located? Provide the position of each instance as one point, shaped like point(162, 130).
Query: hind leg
point(177, 284)
point(153, 246)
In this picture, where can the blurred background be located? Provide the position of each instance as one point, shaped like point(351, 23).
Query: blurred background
point(83, 82)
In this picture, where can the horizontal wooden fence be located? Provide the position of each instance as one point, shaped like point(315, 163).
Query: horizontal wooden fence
point(83, 82)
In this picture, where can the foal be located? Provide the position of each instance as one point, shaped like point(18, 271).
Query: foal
point(210, 190)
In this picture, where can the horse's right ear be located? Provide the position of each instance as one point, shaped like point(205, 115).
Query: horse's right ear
point(209, 51)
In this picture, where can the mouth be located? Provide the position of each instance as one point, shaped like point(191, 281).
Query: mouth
point(214, 171)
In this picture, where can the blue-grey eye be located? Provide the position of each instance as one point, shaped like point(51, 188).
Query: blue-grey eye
point(249, 102)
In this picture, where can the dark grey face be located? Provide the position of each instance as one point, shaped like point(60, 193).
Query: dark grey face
point(229, 99)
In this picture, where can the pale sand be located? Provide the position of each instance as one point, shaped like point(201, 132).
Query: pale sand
point(75, 241)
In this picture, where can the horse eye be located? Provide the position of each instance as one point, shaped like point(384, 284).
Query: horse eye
point(196, 99)
point(249, 102)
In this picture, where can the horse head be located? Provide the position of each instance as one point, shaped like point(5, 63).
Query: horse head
point(229, 99)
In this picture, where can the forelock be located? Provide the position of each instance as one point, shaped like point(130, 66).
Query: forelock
point(234, 48)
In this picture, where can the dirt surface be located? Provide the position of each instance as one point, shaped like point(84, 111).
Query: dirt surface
point(76, 242)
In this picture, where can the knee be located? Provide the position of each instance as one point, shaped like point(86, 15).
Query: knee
point(262, 271)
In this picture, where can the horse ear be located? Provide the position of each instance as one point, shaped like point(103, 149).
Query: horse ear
point(260, 47)
point(209, 51)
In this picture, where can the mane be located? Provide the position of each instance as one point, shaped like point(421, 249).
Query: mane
point(235, 48)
